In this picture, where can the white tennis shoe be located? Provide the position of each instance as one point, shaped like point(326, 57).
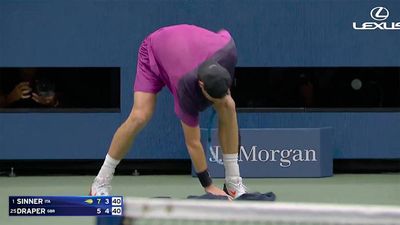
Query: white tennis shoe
point(235, 187)
point(101, 186)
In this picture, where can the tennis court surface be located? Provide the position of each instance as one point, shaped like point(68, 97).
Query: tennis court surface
point(342, 189)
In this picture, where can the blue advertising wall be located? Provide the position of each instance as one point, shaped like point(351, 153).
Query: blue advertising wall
point(268, 33)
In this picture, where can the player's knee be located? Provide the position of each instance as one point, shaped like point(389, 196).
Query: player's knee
point(139, 119)
point(193, 146)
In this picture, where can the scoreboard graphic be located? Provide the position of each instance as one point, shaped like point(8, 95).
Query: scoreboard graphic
point(65, 205)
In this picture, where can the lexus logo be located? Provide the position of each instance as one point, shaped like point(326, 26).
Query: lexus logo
point(379, 13)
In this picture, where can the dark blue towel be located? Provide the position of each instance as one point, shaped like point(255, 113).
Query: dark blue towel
point(257, 196)
point(254, 196)
point(208, 196)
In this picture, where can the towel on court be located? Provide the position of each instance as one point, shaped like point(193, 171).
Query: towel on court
point(254, 196)
point(257, 196)
point(208, 196)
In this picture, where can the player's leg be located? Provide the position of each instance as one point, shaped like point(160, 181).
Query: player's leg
point(228, 133)
point(142, 110)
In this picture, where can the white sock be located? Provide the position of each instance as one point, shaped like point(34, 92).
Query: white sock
point(231, 166)
point(108, 168)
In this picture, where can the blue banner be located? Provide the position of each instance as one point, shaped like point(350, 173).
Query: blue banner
point(276, 152)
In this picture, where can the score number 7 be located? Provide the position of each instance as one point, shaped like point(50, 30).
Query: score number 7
point(107, 201)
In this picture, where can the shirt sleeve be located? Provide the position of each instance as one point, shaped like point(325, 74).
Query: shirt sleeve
point(190, 119)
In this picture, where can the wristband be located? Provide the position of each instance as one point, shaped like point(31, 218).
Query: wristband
point(204, 178)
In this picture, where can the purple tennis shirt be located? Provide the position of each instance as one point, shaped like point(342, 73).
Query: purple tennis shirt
point(171, 56)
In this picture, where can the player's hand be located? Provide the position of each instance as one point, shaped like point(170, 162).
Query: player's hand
point(44, 100)
point(212, 189)
point(21, 91)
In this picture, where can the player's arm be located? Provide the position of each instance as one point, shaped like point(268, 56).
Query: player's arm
point(193, 144)
point(196, 152)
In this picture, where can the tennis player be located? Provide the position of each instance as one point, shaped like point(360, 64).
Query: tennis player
point(197, 66)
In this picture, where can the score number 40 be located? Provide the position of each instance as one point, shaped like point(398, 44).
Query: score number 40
point(114, 211)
